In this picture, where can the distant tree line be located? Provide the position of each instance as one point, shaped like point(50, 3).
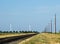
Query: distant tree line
point(19, 32)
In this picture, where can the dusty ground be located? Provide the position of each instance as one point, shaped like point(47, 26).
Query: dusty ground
point(43, 38)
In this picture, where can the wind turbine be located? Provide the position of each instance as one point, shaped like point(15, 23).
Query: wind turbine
point(29, 28)
point(10, 27)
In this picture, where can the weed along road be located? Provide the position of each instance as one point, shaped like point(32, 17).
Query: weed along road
point(14, 38)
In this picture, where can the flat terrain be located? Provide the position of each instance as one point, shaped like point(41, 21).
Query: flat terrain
point(43, 38)
point(8, 40)
point(4, 35)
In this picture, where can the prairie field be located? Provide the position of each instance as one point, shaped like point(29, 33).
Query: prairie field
point(43, 38)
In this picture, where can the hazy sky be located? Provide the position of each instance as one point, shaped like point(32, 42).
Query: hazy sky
point(22, 13)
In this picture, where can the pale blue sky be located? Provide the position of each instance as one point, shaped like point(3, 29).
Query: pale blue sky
point(37, 13)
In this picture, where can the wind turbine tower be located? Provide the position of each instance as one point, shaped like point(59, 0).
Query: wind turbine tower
point(55, 23)
point(51, 26)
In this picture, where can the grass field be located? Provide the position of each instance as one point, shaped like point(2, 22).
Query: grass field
point(43, 38)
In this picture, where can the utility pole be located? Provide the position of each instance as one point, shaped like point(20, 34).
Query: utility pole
point(55, 23)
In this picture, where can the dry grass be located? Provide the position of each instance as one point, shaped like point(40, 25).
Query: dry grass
point(44, 38)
